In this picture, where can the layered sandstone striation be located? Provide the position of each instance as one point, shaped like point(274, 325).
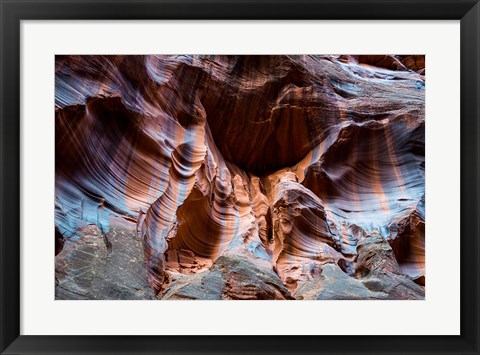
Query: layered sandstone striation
point(240, 177)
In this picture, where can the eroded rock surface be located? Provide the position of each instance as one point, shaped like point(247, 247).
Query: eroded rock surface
point(232, 277)
point(96, 266)
point(240, 177)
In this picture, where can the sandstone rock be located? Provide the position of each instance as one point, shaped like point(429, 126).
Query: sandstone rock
point(100, 266)
point(379, 271)
point(241, 177)
point(232, 277)
point(334, 284)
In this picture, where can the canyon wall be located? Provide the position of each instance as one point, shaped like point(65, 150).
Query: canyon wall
point(240, 177)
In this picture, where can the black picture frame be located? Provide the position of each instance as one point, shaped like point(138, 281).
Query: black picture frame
point(13, 12)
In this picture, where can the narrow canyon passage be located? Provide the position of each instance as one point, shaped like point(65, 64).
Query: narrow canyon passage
point(240, 177)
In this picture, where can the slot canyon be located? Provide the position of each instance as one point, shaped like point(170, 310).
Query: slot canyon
point(257, 177)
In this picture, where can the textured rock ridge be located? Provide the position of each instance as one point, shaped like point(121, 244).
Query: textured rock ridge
point(240, 177)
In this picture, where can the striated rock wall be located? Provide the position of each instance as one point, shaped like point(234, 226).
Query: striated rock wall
point(242, 177)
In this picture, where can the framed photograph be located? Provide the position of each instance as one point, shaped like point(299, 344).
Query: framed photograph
point(240, 177)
